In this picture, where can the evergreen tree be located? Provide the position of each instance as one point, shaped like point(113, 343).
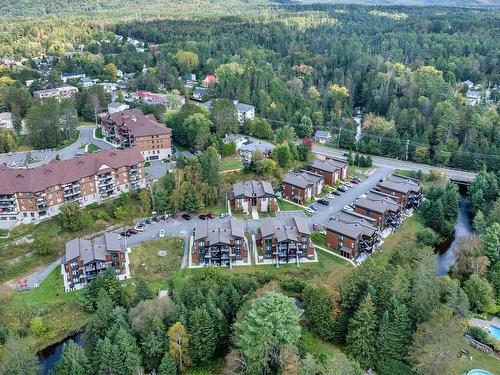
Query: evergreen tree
point(362, 334)
point(154, 344)
point(73, 361)
point(142, 292)
point(102, 355)
point(17, 359)
point(491, 243)
point(202, 339)
point(394, 331)
point(167, 366)
point(125, 353)
point(321, 305)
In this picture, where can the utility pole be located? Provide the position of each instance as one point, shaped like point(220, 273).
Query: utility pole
point(340, 132)
point(407, 146)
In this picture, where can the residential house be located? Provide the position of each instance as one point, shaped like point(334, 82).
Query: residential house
point(332, 170)
point(301, 186)
point(382, 207)
point(71, 75)
point(285, 240)
point(117, 107)
point(33, 194)
point(7, 61)
point(86, 82)
point(250, 146)
point(85, 259)
point(322, 136)
point(238, 140)
point(132, 128)
point(243, 111)
point(352, 234)
point(209, 80)
point(6, 120)
point(249, 194)
point(219, 242)
point(408, 191)
point(63, 92)
point(199, 92)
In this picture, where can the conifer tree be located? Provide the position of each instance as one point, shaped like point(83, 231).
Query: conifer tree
point(125, 353)
point(167, 366)
point(394, 331)
point(103, 357)
point(154, 344)
point(202, 341)
point(362, 334)
point(73, 361)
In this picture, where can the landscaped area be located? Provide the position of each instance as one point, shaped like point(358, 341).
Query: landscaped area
point(288, 206)
point(230, 163)
point(146, 263)
point(69, 142)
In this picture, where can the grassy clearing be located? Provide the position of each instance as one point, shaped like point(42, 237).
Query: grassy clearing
point(60, 311)
point(145, 264)
point(478, 359)
point(319, 347)
point(230, 163)
point(98, 133)
point(287, 206)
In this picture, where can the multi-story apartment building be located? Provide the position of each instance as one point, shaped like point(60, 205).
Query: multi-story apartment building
point(132, 128)
point(249, 194)
point(85, 259)
point(219, 242)
point(332, 170)
point(301, 186)
point(382, 207)
point(408, 191)
point(352, 234)
point(63, 92)
point(285, 241)
point(29, 195)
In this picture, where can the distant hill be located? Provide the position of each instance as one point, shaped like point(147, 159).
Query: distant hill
point(447, 3)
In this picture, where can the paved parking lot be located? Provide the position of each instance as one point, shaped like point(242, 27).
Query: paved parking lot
point(289, 214)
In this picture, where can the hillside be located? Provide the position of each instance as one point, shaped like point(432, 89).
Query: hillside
point(447, 3)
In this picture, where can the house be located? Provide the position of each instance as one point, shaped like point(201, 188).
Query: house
point(209, 80)
point(381, 207)
point(172, 101)
point(132, 128)
point(250, 146)
point(243, 111)
point(71, 75)
point(109, 87)
point(199, 92)
point(33, 194)
point(249, 194)
point(219, 242)
point(63, 92)
point(301, 186)
point(117, 107)
point(85, 259)
point(284, 241)
point(332, 170)
point(238, 140)
point(323, 136)
point(6, 120)
point(473, 96)
point(86, 82)
point(7, 61)
point(352, 234)
point(408, 191)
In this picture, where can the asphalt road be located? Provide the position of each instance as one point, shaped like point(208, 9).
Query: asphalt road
point(453, 174)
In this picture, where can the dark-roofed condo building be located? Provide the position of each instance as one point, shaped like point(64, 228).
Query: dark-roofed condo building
point(301, 186)
point(285, 241)
point(384, 208)
point(85, 259)
point(219, 242)
point(408, 191)
point(249, 194)
point(332, 170)
point(29, 195)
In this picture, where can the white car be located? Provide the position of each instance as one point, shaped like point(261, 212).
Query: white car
point(162, 233)
point(330, 196)
point(140, 227)
point(348, 208)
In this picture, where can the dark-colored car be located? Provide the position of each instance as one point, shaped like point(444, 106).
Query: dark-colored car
point(354, 181)
point(174, 216)
point(343, 189)
point(132, 231)
point(186, 216)
point(203, 217)
point(324, 202)
point(148, 221)
point(125, 233)
point(335, 192)
point(211, 215)
point(156, 219)
point(316, 227)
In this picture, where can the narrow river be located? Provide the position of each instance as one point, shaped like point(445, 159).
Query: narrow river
point(447, 257)
point(49, 356)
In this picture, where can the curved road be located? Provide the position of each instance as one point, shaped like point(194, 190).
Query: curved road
point(453, 174)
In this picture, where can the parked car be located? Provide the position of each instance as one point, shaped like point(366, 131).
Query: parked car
point(203, 217)
point(140, 227)
point(156, 219)
point(211, 215)
point(186, 216)
point(125, 233)
point(162, 233)
point(132, 231)
point(348, 208)
point(313, 207)
point(335, 192)
point(324, 202)
point(354, 181)
point(307, 209)
point(148, 221)
point(174, 216)
point(342, 188)
point(316, 227)
point(222, 216)
point(348, 184)
point(358, 179)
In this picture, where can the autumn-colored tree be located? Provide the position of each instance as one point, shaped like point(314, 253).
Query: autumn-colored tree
point(178, 346)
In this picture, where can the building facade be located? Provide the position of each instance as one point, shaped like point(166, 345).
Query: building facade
point(285, 241)
point(382, 207)
point(332, 170)
point(30, 195)
point(301, 186)
point(85, 259)
point(249, 194)
point(219, 242)
point(407, 191)
point(132, 128)
point(63, 92)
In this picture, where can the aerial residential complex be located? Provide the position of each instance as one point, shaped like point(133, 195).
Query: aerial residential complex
point(63, 92)
point(132, 128)
point(85, 259)
point(332, 170)
point(249, 194)
point(29, 195)
point(301, 186)
point(408, 191)
point(219, 243)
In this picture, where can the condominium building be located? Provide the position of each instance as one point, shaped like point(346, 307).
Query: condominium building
point(382, 207)
point(29, 195)
point(407, 191)
point(249, 194)
point(301, 186)
point(132, 128)
point(63, 92)
point(332, 170)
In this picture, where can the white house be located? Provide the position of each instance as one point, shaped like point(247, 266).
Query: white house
point(117, 107)
point(238, 140)
point(6, 120)
point(86, 82)
point(322, 136)
point(66, 76)
point(243, 111)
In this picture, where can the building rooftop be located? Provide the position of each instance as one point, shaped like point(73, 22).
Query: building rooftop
point(92, 250)
point(302, 179)
point(219, 230)
point(253, 189)
point(284, 229)
point(136, 122)
point(379, 206)
point(59, 172)
point(322, 134)
point(328, 165)
point(401, 184)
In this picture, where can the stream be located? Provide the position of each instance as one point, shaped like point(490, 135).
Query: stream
point(358, 115)
point(446, 252)
point(49, 356)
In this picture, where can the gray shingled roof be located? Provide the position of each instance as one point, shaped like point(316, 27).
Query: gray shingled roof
point(284, 229)
point(252, 188)
point(380, 206)
point(328, 165)
point(302, 179)
point(351, 226)
point(219, 231)
point(322, 134)
point(401, 184)
point(91, 250)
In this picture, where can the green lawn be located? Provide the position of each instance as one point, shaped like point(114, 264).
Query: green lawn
point(145, 263)
point(93, 148)
point(230, 163)
point(478, 359)
point(98, 133)
point(287, 206)
point(317, 346)
point(68, 142)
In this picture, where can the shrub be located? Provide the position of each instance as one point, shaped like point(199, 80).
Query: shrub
point(427, 237)
point(38, 326)
point(480, 335)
